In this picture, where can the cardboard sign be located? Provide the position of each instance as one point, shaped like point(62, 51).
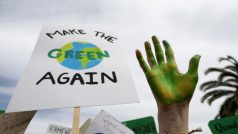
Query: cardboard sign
point(57, 129)
point(74, 66)
point(144, 125)
point(228, 125)
point(106, 124)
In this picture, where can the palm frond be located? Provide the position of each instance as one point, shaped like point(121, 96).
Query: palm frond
point(215, 97)
point(227, 84)
point(215, 94)
point(229, 59)
point(213, 85)
point(227, 74)
point(232, 58)
point(231, 68)
point(214, 69)
point(231, 80)
point(208, 83)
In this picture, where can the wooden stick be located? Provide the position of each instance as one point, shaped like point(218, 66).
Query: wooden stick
point(76, 118)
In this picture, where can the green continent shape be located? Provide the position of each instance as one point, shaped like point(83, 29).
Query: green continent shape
point(66, 47)
point(84, 61)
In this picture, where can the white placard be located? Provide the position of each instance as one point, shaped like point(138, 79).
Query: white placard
point(57, 129)
point(74, 66)
point(85, 126)
point(104, 123)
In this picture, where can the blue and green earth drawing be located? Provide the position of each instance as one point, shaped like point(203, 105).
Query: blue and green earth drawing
point(80, 55)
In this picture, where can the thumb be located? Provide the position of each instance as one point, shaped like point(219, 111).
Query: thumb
point(193, 65)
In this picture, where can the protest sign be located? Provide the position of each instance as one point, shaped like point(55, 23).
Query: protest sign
point(73, 66)
point(144, 125)
point(57, 129)
point(104, 123)
point(227, 125)
point(85, 126)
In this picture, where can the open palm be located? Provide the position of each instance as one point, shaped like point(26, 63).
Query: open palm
point(166, 82)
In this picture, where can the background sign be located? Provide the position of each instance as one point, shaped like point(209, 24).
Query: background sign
point(144, 125)
point(85, 126)
point(228, 125)
point(56, 129)
point(74, 66)
point(104, 123)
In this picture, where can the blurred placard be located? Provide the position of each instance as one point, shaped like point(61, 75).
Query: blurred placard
point(57, 129)
point(85, 126)
point(106, 124)
point(144, 125)
point(228, 125)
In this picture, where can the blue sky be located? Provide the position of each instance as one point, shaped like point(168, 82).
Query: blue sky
point(208, 28)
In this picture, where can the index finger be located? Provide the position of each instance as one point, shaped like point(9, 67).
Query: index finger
point(141, 61)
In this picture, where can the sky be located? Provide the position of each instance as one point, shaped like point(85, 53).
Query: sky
point(208, 28)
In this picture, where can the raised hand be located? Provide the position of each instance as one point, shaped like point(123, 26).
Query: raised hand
point(168, 85)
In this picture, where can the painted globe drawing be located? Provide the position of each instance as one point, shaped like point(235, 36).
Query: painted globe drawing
point(80, 55)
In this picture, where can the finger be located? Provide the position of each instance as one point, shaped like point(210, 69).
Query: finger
point(193, 65)
point(158, 50)
point(149, 54)
point(141, 61)
point(169, 53)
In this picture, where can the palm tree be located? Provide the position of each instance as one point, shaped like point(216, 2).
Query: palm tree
point(226, 85)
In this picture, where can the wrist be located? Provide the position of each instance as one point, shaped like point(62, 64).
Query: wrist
point(173, 119)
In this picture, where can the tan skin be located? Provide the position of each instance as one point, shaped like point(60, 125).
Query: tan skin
point(172, 90)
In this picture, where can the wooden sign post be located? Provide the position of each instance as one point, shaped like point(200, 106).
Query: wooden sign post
point(76, 119)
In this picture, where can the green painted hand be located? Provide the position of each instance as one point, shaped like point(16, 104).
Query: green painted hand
point(168, 85)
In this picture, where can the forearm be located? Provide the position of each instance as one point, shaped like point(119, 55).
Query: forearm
point(173, 119)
